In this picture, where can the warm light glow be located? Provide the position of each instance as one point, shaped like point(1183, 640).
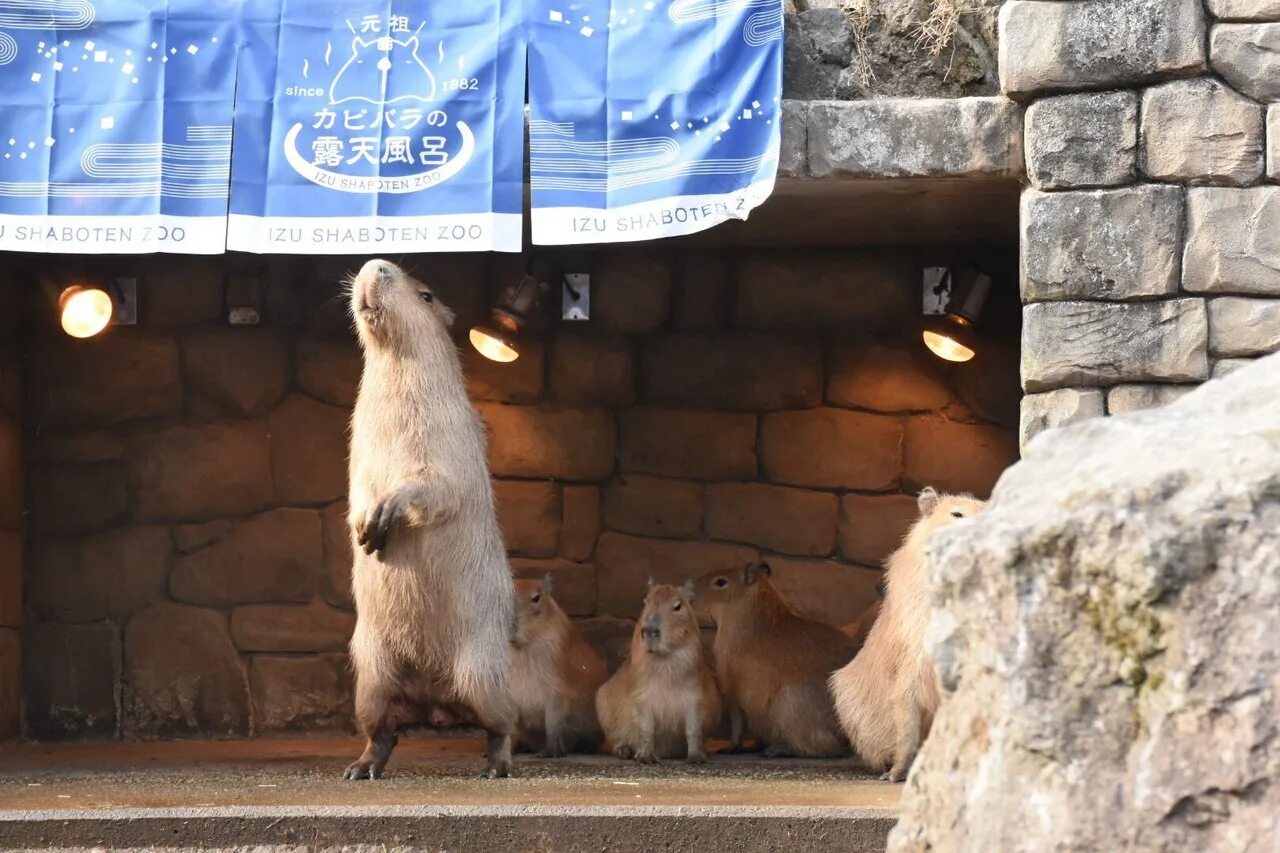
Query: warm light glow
point(85, 311)
point(492, 345)
point(945, 346)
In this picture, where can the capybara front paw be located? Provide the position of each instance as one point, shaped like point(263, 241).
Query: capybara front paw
point(894, 774)
point(551, 752)
point(372, 531)
point(362, 770)
point(697, 758)
point(626, 753)
point(646, 757)
point(496, 770)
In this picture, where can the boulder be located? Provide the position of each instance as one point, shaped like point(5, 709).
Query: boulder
point(1248, 57)
point(1085, 140)
point(1053, 409)
point(1106, 637)
point(1231, 241)
point(1202, 132)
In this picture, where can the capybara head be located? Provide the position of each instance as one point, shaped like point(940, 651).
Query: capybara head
point(668, 622)
point(718, 590)
point(937, 510)
point(392, 309)
point(535, 608)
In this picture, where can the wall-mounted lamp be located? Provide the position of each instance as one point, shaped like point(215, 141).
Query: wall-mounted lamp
point(498, 340)
point(954, 299)
point(85, 309)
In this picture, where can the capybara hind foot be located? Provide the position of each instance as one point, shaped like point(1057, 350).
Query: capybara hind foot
point(697, 758)
point(626, 753)
point(779, 751)
point(362, 769)
point(498, 754)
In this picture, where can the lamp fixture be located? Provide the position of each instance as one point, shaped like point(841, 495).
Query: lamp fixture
point(498, 340)
point(950, 332)
point(86, 308)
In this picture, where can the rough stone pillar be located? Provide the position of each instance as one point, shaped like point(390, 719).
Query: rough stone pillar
point(11, 507)
point(1149, 255)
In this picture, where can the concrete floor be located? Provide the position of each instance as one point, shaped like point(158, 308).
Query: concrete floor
point(283, 792)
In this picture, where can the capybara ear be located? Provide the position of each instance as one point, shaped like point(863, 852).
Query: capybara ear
point(927, 500)
point(688, 589)
point(651, 583)
point(755, 570)
point(548, 582)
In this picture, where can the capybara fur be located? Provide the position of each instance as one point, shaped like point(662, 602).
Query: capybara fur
point(772, 665)
point(663, 699)
point(887, 696)
point(554, 675)
point(859, 628)
point(434, 597)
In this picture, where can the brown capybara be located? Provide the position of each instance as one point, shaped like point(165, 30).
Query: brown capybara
point(772, 665)
point(433, 590)
point(887, 696)
point(554, 675)
point(663, 700)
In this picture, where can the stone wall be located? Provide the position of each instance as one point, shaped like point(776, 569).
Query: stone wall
point(1149, 259)
point(11, 508)
point(188, 554)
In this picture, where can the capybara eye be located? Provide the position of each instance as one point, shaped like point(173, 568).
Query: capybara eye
point(536, 598)
point(721, 582)
point(427, 296)
point(677, 607)
point(955, 513)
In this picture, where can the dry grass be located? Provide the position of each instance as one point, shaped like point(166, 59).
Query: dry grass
point(859, 14)
point(936, 32)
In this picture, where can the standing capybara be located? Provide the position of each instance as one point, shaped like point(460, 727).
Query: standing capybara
point(887, 696)
point(554, 675)
point(664, 698)
point(433, 591)
point(773, 665)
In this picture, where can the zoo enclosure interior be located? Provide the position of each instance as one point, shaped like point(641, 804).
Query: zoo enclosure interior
point(186, 558)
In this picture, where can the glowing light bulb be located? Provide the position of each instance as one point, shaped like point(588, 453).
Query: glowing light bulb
point(493, 345)
point(85, 311)
point(945, 346)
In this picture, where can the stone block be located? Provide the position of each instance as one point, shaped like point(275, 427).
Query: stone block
point(1101, 244)
point(301, 693)
point(817, 46)
point(700, 445)
point(886, 378)
point(592, 371)
point(1123, 399)
point(610, 637)
point(793, 156)
point(116, 377)
point(1093, 343)
point(308, 451)
point(12, 500)
point(630, 293)
point(178, 292)
point(195, 473)
point(840, 293)
point(1227, 366)
point(627, 563)
point(519, 381)
point(566, 444)
point(291, 628)
point(336, 546)
point(1053, 409)
point(1248, 57)
point(10, 683)
point(825, 590)
point(1097, 44)
point(873, 526)
point(1273, 142)
point(329, 370)
point(915, 138)
point(11, 567)
point(1242, 327)
point(740, 372)
point(101, 445)
point(1245, 10)
point(76, 498)
point(580, 521)
point(110, 575)
point(272, 557)
point(653, 506)
point(702, 292)
point(183, 675)
point(957, 457)
point(1200, 131)
point(573, 584)
point(529, 516)
point(1231, 241)
point(990, 386)
point(10, 380)
point(244, 371)
point(832, 449)
point(70, 675)
point(789, 521)
point(1085, 140)
point(193, 537)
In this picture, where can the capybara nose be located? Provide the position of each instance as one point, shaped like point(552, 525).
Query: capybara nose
point(377, 268)
point(650, 632)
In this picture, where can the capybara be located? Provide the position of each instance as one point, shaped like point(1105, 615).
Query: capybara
point(772, 665)
point(887, 696)
point(663, 700)
point(433, 590)
point(554, 675)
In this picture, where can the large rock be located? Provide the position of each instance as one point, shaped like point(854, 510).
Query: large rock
point(789, 521)
point(1201, 131)
point(291, 628)
point(1101, 244)
point(702, 445)
point(1054, 409)
point(1248, 57)
point(915, 138)
point(195, 473)
point(308, 451)
point(183, 675)
point(70, 675)
point(272, 557)
point(653, 506)
point(119, 376)
point(627, 564)
point(1097, 44)
point(838, 293)
point(1123, 399)
point(832, 449)
point(108, 576)
point(568, 444)
point(1095, 343)
point(1243, 327)
point(1082, 627)
point(1086, 140)
point(300, 693)
point(956, 457)
point(1245, 10)
point(1233, 241)
point(242, 370)
point(742, 372)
